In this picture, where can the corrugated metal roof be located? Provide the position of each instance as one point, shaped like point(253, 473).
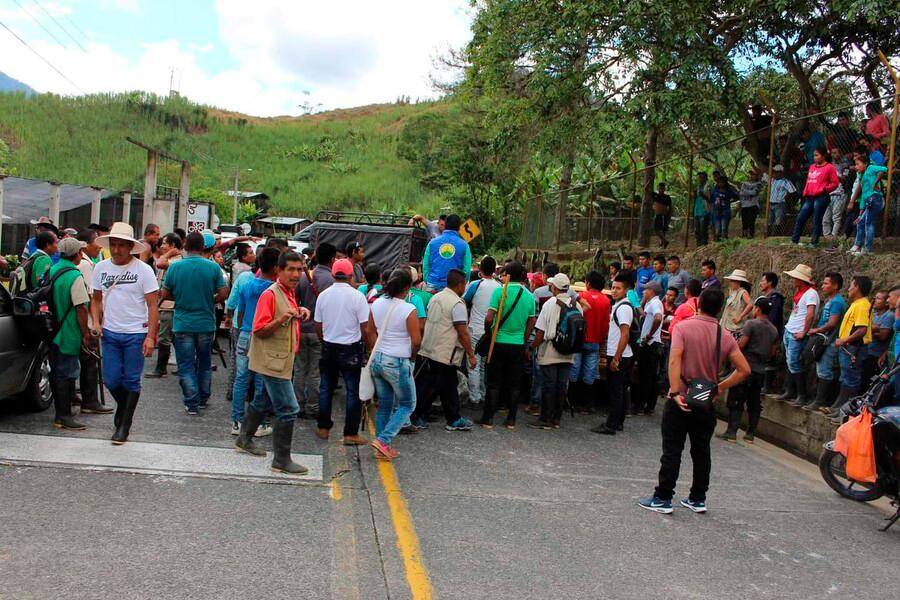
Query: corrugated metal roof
point(282, 220)
point(26, 199)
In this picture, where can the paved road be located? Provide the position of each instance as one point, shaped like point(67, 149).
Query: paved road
point(524, 514)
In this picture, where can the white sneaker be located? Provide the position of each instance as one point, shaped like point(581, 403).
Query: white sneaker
point(853, 250)
point(235, 428)
point(865, 251)
point(263, 430)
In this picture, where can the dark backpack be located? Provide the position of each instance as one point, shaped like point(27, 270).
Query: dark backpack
point(569, 338)
point(634, 333)
point(37, 304)
point(20, 278)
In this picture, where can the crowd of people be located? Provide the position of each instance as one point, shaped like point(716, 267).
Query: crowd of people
point(302, 324)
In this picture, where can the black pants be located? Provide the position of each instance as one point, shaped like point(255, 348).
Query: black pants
point(554, 383)
point(749, 394)
point(88, 380)
point(504, 374)
point(345, 361)
point(678, 425)
point(748, 220)
point(643, 397)
point(617, 383)
point(434, 378)
point(701, 230)
point(869, 370)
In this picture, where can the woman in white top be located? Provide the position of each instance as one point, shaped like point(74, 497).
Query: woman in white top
point(397, 324)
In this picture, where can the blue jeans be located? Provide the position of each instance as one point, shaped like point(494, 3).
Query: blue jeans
point(825, 365)
point(584, 367)
point(344, 360)
point(865, 229)
point(793, 350)
point(244, 378)
point(123, 360)
point(851, 371)
point(64, 366)
point(812, 206)
point(776, 213)
point(193, 351)
point(279, 397)
point(396, 392)
point(721, 220)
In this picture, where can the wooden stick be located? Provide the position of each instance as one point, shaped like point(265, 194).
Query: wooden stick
point(496, 328)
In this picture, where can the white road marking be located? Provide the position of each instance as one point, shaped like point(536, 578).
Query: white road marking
point(150, 458)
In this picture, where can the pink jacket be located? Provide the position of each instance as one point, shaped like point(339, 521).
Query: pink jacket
point(821, 180)
point(878, 127)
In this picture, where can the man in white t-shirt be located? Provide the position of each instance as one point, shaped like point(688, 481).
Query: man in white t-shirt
point(619, 355)
point(478, 297)
point(796, 331)
point(643, 396)
point(124, 312)
point(341, 316)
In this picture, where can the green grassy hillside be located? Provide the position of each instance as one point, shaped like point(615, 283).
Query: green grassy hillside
point(337, 160)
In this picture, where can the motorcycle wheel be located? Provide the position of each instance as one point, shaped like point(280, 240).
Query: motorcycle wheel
point(832, 465)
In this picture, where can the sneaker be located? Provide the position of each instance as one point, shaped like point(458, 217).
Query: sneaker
point(409, 430)
point(727, 436)
point(556, 424)
point(461, 424)
point(604, 430)
point(694, 505)
point(656, 505)
point(235, 428)
point(853, 250)
point(193, 411)
point(263, 430)
point(749, 438)
point(534, 411)
point(204, 406)
point(156, 375)
point(540, 425)
point(421, 423)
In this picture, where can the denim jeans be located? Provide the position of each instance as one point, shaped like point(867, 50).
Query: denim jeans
point(63, 366)
point(279, 397)
point(244, 378)
point(793, 352)
point(396, 393)
point(851, 371)
point(123, 360)
point(345, 360)
point(584, 367)
point(476, 377)
point(812, 206)
point(865, 229)
point(306, 372)
point(721, 220)
point(193, 351)
point(776, 213)
point(825, 365)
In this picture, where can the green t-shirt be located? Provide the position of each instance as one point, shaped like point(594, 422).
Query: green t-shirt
point(513, 330)
point(42, 263)
point(64, 293)
point(193, 281)
point(424, 296)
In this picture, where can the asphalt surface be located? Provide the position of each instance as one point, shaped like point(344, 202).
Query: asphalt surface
point(496, 514)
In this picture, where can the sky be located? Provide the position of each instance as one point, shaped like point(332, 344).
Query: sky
point(259, 57)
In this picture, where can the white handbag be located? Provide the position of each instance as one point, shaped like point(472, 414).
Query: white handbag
point(366, 383)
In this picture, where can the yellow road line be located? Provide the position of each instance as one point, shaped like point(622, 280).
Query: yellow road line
point(407, 540)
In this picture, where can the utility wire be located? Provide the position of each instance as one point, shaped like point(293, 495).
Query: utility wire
point(60, 25)
point(77, 28)
point(39, 55)
point(39, 24)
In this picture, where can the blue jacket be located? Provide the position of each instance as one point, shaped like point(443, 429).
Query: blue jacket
point(446, 251)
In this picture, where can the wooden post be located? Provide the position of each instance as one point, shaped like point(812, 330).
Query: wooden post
point(149, 188)
point(771, 167)
point(184, 194)
point(2, 177)
point(689, 204)
point(53, 211)
point(525, 203)
point(890, 172)
point(540, 223)
point(95, 205)
point(591, 217)
point(631, 199)
point(126, 206)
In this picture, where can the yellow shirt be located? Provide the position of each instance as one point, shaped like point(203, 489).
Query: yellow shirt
point(858, 315)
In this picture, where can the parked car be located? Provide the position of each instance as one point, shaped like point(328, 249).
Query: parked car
point(24, 365)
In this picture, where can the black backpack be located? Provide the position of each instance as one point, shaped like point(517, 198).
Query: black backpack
point(20, 278)
point(37, 304)
point(634, 333)
point(569, 338)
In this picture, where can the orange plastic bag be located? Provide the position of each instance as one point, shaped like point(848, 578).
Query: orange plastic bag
point(854, 440)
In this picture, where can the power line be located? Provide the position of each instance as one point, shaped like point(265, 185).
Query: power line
point(60, 25)
point(38, 54)
point(39, 24)
point(77, 28)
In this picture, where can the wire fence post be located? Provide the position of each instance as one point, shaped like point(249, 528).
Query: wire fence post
point(890, 173)
point(768, 199)
point(540, 222)
point(525, 203)
point(631, 199)
point(591, 217)
point(687, 200)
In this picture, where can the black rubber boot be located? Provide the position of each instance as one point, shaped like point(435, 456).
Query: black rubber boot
point(490, 405)
point(124, 426)
point(823, 393)
point(63, 390)
point(800, 385)
point(282, 436)
point(244, 442)
point(752, 424)
point(845, 394)
point(163, 352)
point(121, 397)
point(790, 389)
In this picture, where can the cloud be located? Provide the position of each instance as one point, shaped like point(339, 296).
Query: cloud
point(131, 6)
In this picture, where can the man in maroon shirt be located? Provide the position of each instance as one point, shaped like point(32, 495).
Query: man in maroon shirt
point(583, 375)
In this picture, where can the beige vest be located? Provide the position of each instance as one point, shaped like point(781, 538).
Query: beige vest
point(274, 355)
point(441, 341)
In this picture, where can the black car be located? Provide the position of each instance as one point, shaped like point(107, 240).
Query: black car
point(24, 366)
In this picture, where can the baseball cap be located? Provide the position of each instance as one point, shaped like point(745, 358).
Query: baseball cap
point(342, 268)
point(763, 302)
point(560, 281)
point(209, 240)
point(653, 286)
point(353, 247)
point(69, 246)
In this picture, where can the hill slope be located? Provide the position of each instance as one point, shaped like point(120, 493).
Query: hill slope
point(8, 84)
point(338, 160)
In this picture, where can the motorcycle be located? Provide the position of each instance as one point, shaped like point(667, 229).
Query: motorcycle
point(886, 435)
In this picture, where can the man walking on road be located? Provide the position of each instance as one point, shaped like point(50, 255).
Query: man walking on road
point(275, 339)
point(195, 284)
point(699, 347)
point(478, 297)
point(619, 356)
point(643, 397)
point(445, 252)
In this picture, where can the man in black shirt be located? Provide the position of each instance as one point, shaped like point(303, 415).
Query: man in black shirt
point(662, 207)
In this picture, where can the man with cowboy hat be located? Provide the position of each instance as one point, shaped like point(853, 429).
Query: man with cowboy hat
point(42, 224)
point(803, 315)
point(125, 317)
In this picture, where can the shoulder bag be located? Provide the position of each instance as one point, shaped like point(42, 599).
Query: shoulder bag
point(484, 342)
point(701, 392)
point(366, 383)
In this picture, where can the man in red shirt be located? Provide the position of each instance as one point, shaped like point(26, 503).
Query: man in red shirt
point(689, 307)
point(583, 375)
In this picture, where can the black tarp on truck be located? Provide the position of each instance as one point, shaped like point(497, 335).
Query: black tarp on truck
point(389, 240)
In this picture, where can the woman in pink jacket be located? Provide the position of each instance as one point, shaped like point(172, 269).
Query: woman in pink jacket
point(821, 180)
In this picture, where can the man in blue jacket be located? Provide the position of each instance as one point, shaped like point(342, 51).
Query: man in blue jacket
point(445, 252)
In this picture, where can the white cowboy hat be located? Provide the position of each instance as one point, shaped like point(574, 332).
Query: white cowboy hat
point(122, 231)
point(738, 275)
point(801, 272)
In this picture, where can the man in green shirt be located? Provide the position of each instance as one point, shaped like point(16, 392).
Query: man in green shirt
point(41, 261)
point(70, 307)
point(504, 370)
point(196, 284)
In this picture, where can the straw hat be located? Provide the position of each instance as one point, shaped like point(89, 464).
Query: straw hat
point(122, 231)
point(46, 222)
point(578, 286)
point(738, 275)
point(801, 272)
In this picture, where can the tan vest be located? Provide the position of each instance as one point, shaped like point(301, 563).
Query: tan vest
point(274, 355)
point(441, 341)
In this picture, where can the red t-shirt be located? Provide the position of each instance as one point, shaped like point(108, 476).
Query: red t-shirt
point(596, 319)
point(697, 338)
point(265, 312)
point(685, 310)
